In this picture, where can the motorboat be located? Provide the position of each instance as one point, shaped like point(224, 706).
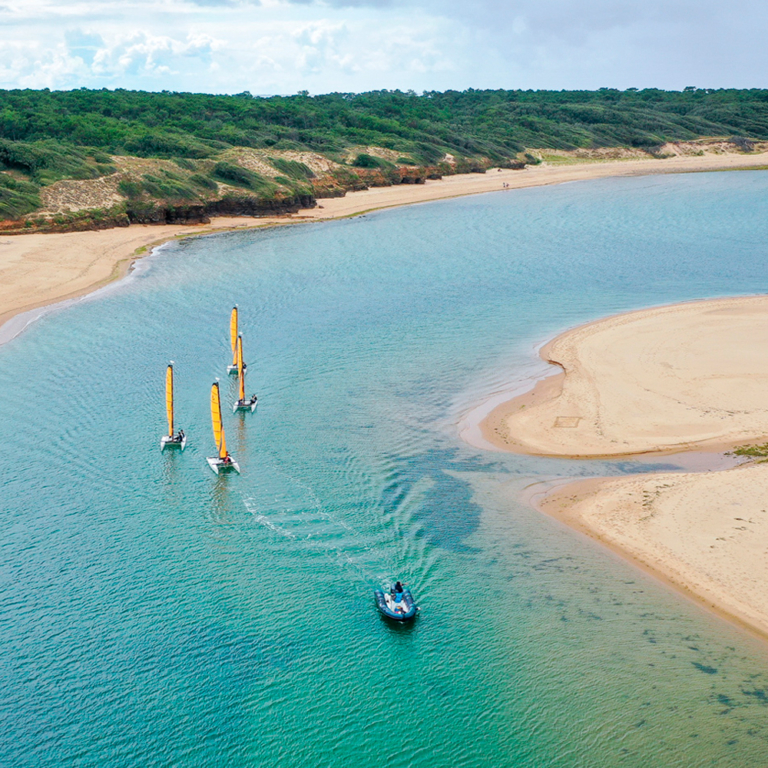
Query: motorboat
point(397, 603)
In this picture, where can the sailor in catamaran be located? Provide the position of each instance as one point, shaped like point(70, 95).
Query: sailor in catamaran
point(172, 438)
point(243, 403)
point(223, 459)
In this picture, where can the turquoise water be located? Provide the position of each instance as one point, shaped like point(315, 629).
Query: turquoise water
point(152, 614)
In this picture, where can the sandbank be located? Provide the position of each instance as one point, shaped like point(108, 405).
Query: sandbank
point(680, 377)
point(706, 534)
point(41, 269)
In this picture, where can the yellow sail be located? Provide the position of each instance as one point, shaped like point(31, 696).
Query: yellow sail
point(218, 429)
point(240, 367)
point(233, 334)
point(169, 398)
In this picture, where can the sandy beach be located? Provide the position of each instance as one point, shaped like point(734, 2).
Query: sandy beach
point(675, 378)
point(705, 534)
point(665, 379)
point(41, 269)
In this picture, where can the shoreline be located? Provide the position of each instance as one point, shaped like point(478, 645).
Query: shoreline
point(563, 502)
point(677, 379)
point(616, 370)
point(39, 270)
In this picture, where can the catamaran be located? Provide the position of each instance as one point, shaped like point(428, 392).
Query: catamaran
point(243, 403)
point(171, 440)
point(233, 335)
point(223, 462)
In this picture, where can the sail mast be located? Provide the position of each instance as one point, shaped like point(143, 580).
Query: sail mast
point(169, 398)
point(218, 429)
point(240, 366)
point(233, 334)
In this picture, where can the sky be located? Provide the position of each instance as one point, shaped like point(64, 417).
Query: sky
point(285, 46)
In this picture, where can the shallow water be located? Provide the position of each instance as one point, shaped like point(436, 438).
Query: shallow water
point(153, 614)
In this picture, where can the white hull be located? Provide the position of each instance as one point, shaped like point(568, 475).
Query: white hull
point(218, 465)
point(232, 369)
point(168, 442)
point(248, 405)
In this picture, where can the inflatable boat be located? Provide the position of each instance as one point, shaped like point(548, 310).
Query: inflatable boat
point(397, 604)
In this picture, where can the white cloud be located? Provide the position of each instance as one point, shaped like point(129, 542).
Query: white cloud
point(280, 46)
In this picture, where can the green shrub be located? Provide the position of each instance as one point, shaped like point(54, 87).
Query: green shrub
point(292, 168)
point(166, 145)
point(17, 197)
point(129, 189)
point(238, 176)
point(46, 161)
point(429, 153)
point(364, 160)
point(203, 181)
point(168, 188)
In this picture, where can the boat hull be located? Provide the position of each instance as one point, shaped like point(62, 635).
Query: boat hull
point(409, 608)
point(170, 442)
point(247, 405)
point(219, 467)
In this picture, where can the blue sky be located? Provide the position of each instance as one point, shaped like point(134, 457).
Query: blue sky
point(283, 46)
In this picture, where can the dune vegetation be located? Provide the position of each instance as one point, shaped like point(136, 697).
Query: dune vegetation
point(184, 154)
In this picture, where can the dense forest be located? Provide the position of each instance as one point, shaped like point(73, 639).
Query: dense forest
point(50, 135)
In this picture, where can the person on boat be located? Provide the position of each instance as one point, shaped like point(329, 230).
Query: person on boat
point(227, 460)
point(180, 436)
point(398, 587)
